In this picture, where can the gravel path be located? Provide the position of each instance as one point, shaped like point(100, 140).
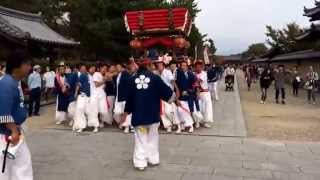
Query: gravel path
point(297, 120)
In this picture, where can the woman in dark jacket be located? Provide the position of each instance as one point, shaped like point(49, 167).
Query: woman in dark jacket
point(265, 82)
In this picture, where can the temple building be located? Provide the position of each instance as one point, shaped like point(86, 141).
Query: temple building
point(309, 39)
point(313, 33)
point(28, 31)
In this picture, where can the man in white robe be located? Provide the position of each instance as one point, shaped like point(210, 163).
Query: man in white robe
point(169, 112)
point(205, 96)
point(98, 101)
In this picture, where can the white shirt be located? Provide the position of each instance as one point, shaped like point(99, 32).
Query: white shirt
point(92, 85)
point(230, 71)
point(48, 77)
point(203, 77)
point(167, 77)
point(97, 77)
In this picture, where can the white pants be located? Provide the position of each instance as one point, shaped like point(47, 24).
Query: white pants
point(185, 114)
point(213, 88)
point(80, 120)
point(98, 104)
point(110, 102)
point(19, 168)
point(206, 107)
point(72, 110)
point(169, 114)
point(146, 145)
point(61, 116)
point(118, 111)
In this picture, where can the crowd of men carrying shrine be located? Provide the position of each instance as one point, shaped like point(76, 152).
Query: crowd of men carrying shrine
point(91, 96)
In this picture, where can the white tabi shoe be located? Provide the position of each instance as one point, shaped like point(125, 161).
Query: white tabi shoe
point(206, 125)
point(79, 130)
point(140, 168)
point(95, 130)
point(169, 129)
point(59, 122)
point(178, 131)
point(101, 125)
point(197, 125)
point(70, 123)
point(191, 129)
point(182, 127)
point(126, 130)
point(132, 129)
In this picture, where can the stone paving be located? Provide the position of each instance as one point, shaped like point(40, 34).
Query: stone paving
point(107, 156)
point(58, 154)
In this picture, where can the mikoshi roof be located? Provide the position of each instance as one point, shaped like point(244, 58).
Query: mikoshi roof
point(20, 25)
point(314, 12)
point(174, 21)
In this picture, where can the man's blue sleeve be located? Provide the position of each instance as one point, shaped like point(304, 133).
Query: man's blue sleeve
point(6, 102)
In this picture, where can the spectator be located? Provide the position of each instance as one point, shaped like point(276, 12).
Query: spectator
point(48, 79)
point(265, 82)
point(248, 76)
point(296, 80)
point(34, 84)
point(311, 86)
point(280, 76)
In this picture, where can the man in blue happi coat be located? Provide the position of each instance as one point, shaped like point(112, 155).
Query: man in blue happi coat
point(145, 90)
point(17, 163)
point(188, 104)
point(82, 103)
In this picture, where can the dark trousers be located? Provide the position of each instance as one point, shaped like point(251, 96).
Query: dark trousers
point(311, 95)
point(283, 93)
point(35, 96)
point(48, 93)
point(264, 94)
point(295, 88)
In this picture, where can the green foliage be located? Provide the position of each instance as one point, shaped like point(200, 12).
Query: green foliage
point(212, 47)
point(284, 39)
point(98, 24)
point(255, 50)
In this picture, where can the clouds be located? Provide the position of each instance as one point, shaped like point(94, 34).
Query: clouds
point(235, 24)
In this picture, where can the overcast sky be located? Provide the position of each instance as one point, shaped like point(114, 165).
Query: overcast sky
point(235, 24)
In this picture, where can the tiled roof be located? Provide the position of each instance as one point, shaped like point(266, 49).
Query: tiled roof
point(313, 12)
point(315, 28)
point(26, 26)
point(299, 55)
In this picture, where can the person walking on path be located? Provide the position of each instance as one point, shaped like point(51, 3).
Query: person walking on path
point(34, 84)
point(213, 78)
point(280, 76)
point(296, 80)
point(311, 84)
point(145, 88)
point(248, 77)
point(48, 78)
point(265, 82)
point(17, 166)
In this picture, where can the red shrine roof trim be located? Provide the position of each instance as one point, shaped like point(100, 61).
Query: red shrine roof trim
point(176, 21)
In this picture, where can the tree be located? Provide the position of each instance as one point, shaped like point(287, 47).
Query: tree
point(284, 39)
point(98, 24)
point(255, 50)
point(212, 47)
